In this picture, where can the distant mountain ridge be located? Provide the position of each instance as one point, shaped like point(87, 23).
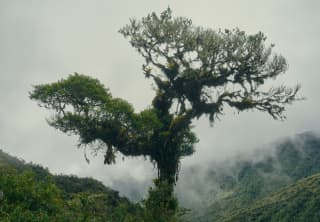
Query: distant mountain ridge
point(298, 202)
point(68, 183)
point(239, 185)
point(282, 185)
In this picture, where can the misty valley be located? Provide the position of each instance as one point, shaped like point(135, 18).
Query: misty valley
point(281, 183)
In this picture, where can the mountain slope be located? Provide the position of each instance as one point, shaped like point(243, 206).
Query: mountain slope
point(67, 183)
point(243, 188)
point(28, 192)
point(297, 202)
point(240, 184)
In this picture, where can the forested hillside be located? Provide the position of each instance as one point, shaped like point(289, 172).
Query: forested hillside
point(282, 184)
point(238, 186)
point(29, 192)
point(298, 202)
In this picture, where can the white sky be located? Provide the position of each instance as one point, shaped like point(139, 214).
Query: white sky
point(43, 41)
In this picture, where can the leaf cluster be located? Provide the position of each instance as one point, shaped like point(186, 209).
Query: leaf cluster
point(84, 107)
point(202, 70)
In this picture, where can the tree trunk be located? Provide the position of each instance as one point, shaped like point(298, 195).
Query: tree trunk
point(167, 172)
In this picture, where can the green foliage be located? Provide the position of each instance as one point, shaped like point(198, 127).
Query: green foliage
point(251, 196)
point(29, 192)
point(86, 108)
point(197, 72)
point(79, 91)
point(7, 160)
point(74, 184)
point(161, 205)
point(298, 202)
point(245, 182)
point(203, 70)
point(26, 199)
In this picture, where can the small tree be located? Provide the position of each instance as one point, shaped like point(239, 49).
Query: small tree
point(197, 72)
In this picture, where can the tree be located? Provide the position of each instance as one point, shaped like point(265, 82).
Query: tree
point(196, 72)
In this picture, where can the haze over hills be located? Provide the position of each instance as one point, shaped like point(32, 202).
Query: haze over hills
point(235, 185)
point(297, 202)
point(249, 186)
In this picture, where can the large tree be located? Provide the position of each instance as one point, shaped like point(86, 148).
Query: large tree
point(196, 72)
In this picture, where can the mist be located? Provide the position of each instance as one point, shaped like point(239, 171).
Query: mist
point(201, 185)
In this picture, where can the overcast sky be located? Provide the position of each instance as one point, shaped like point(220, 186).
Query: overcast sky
point(43, 41)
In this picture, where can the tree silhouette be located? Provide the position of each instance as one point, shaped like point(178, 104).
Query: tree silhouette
point(196, 72)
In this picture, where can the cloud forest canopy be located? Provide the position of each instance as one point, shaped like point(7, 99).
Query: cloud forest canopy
point(196, 72)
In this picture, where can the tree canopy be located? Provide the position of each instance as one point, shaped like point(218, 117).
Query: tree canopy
point(196, 72)
point(203, 70)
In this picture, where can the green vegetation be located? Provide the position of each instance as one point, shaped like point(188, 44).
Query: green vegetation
point(284, 186)
point(298, 202)
point(246, 182)
point(196, 72)
point(29, 192)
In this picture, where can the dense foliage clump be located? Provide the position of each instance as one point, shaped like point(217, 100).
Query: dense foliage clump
point(30, 193)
